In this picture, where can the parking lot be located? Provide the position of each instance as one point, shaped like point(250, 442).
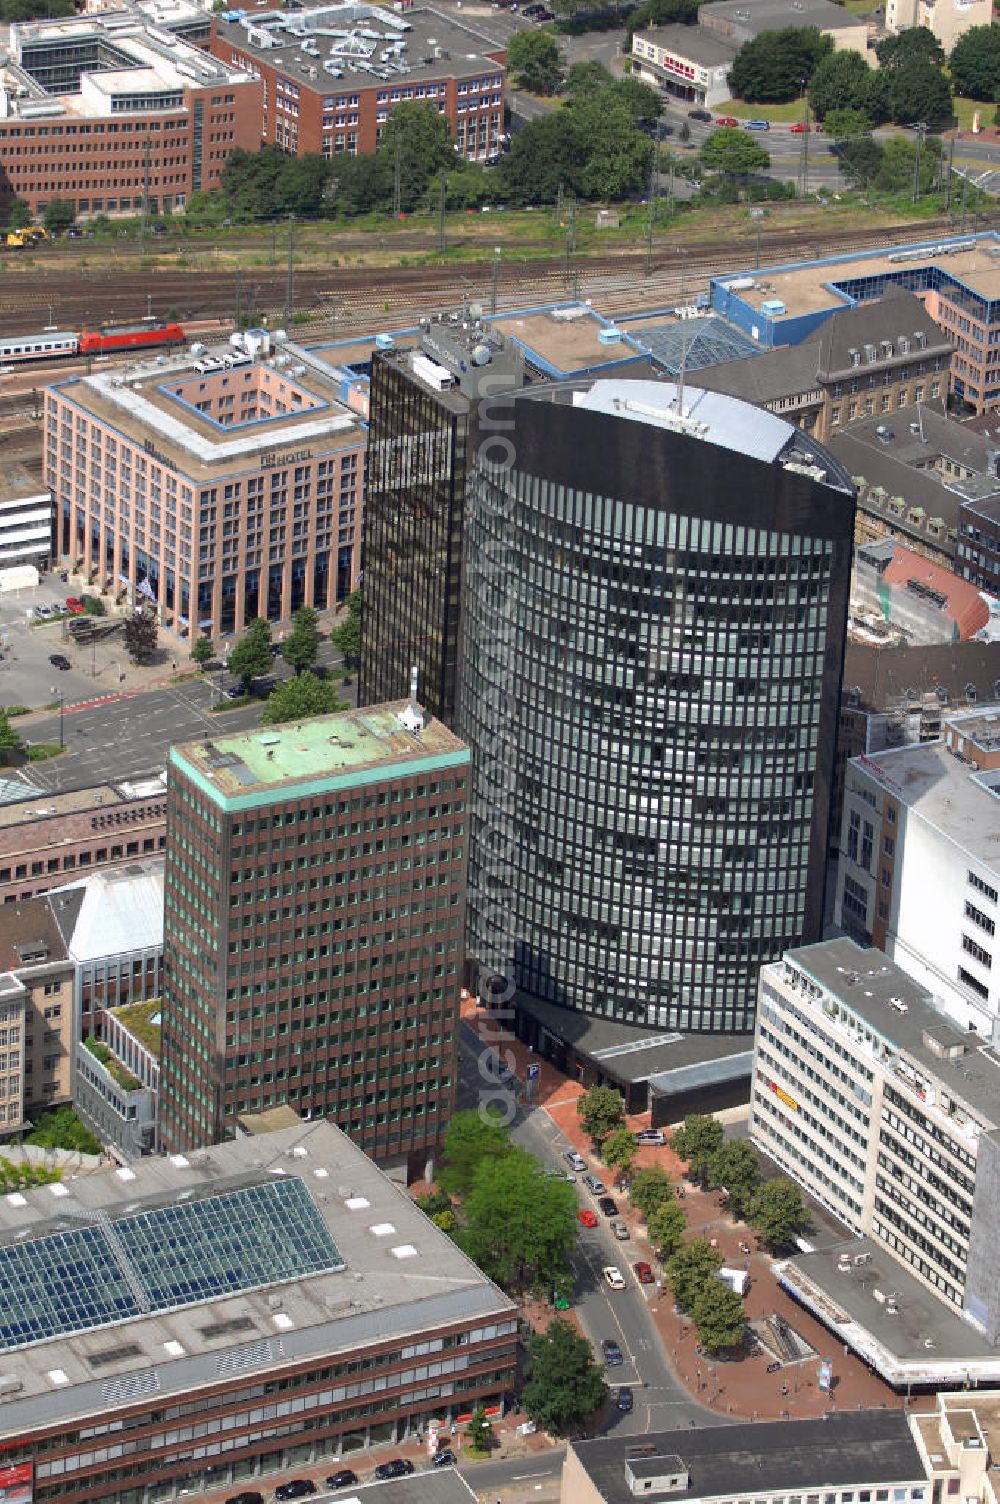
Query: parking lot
point(27, 677)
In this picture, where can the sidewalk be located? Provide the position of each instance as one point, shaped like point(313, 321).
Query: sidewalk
point(740, 1387)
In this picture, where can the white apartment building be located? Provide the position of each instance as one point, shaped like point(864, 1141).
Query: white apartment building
point(919, 868)
point(26, 518)
point(947, 19)
point(886, 1114)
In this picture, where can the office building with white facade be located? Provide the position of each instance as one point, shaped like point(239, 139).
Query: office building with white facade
point(865, 1094)
point(919, 867)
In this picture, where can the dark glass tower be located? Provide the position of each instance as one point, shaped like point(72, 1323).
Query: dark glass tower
point(425, 406)
point(655, 608)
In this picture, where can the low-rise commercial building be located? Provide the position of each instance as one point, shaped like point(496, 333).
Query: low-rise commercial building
point(888, 1115)
point(200, 1321)
point(919, 874)
point(686, 62)
point(221, 487)
point(332, 74)
point(109, 112)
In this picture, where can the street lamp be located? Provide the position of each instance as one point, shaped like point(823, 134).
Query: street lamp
point(222, 672)
point(58, 694)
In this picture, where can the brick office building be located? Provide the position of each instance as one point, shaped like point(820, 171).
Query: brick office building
point(223, 488)
point(194, 1322)
point(331, 75)
point(102, 110)
point(313, 923)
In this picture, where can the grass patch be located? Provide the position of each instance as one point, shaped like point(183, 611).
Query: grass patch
point(42, 751)
point(966, 108)
point(780, 114)
point(10, 710)
point(227, 704)
point(138, 1018)
point(112, 1065)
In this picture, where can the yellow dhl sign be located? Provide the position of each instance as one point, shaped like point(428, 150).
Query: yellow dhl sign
point(784, 1097)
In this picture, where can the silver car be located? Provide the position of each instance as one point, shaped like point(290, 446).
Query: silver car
point(620, 1231)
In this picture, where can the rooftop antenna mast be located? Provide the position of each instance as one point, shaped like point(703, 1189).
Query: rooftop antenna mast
point(411, 715)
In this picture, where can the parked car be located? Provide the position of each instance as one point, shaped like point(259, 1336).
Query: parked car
point(44, 613)
point(700, 115)
point(574, 1160)
point(609, 1206)
point(59, 660)
point(774, 1368)
point(399, 1467)
point(593, 1184)
point(296, 1488)
point(445, 1458)
point(249, 1497)
point(234, 692)
point(74, 605)
point(612, 1353)
point(344, 1479)
point(613, 1277)
point(643, 1272)
point(800, 128)
point(587, 1217)
point(620, 1231)
point(756, 125)
point(625, 1399)
point(651, 1136)
point(726, 120)
point(665, 130)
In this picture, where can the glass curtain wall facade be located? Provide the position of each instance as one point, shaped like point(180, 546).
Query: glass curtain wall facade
point(652, 660)
point(413, 539)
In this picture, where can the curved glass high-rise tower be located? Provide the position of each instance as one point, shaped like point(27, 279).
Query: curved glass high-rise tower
point(654, 616)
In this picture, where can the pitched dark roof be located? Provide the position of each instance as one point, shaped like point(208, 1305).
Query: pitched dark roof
point(897, 313)
point(28, 929)
point(883, 675)
point(768, 377)
point(839, 1450)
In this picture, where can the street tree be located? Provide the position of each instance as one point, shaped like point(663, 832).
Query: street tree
point(914, 43)
point(346, 637)
point(479, 1432)
point(250, 659)
point(534, 60)
point(696, 1140)
point(860, 160)
point(650, 1188)
point(846, 124)
point(975, 63)
point(844, 81)
point(735, 1168)
point(518, 1225)
point(19, 214)
point(899, 168)
point(666, 1226)
point(565, 1385)
point(778, 1212)
point(774, 66)
point(618, 1150)
point(718, 1314)
point(643, 102)
point(10, 742)
point(586, 78)
point(299, 698)
point(58, 216)
point(734, 152)
point(202, 651)
point(470, 1138)
point(300, 648)
point(919, 93)
point(140, 633)
point(419, 138)
point(616, 158)
point(600, 1110)
point(690, 1267)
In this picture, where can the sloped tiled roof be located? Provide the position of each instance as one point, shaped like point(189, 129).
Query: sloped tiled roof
point(965, 605)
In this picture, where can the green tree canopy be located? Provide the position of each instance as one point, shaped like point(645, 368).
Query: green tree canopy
point(19, 214)
point(919, 93)
point(586, 78)
point(696, 1140)
point(346, 637)
point(650, 1188)
point(734, 152)
point(718, 1314)
point(299, 698)
point(643, 102)
point(691, 1266)
point(975, 63)
point(666, 1226)
point(913, 43)
point(300, 648)
point(775, 66)
point(778, 1212)
point(860, 160)
point(480, 1432)
point(35, 10)
point(846, 124)
point(618, 1150)
point(564, 1386)
point(202, 651)
point(60, 1128)
point(519, 1226)
point(844, 81)
point(600, 1110)
point(471, 1137)
point(734, 1167)
point(9, 739)
point(425, 148)
point(250, 659)
point(899, 165)
point(58, 216)
point(616, 157)
point(534, 61)
point(662, 13)
point(268, 184)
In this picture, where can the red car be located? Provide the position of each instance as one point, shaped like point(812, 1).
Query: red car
point(800, 128)
point(643, 1273)
point(727, 120)
point(74, 605)
point(587, 1217)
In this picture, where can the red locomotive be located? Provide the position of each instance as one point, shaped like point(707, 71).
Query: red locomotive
point(129, 337)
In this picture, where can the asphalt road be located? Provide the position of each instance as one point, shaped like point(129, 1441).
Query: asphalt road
point(661, 1403)
point(538, 1471)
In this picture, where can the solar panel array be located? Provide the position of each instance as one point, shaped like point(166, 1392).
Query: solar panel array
point(113, 1269)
